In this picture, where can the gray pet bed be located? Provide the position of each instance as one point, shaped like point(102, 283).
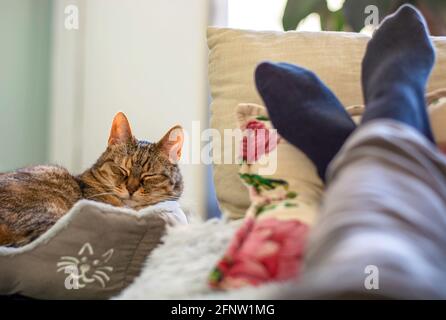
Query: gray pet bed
point(93, 252)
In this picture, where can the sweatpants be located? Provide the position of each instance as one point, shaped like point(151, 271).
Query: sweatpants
point(381, 232)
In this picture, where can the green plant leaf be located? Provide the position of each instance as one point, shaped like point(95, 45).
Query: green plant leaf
point(332, 21)
point(354, 11)
point(296, 10)
point(339, 21)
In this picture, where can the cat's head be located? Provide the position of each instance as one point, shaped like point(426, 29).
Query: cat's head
point(138, 173)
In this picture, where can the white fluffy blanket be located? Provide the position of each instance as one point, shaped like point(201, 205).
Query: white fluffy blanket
point(179, 268)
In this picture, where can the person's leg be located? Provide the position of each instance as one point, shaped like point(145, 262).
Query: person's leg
point(304, 111)
point(398, 61)
point(381, 228)
point(395, 70)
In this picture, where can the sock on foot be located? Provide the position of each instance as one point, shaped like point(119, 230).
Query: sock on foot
point(395, 70)
point(304, 111)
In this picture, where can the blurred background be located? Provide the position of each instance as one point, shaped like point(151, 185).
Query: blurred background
point(60, 87)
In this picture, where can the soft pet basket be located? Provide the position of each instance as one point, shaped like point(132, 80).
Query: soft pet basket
point(93, 252)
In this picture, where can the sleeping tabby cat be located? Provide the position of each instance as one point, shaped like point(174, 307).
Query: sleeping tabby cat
point(130, 173)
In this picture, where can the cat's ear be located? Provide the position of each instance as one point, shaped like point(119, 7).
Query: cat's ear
point(172, 143)
point(120, 131)
point(87, 246)
point(107, 256)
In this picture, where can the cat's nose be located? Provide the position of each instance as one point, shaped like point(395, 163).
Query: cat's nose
point(132, 186)
point(84, 268)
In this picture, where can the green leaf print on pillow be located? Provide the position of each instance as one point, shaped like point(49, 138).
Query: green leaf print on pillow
point(262, 118)
point(261, 183)
point(261, 208)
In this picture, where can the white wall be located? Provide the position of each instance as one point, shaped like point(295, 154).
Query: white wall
point(24, 61)
point(144, 57)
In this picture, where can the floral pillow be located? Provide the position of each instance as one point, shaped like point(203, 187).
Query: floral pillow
point(285, 192)
point(282, 181)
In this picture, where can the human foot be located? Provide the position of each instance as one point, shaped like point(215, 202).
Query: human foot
point(395, 70)
point(304, 111)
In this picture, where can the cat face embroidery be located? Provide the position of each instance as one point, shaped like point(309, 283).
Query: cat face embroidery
point(86, 268)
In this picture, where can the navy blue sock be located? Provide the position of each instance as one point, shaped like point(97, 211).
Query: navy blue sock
point(395, 70)
point(304, 111)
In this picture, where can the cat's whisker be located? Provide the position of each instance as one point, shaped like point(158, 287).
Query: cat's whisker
point(101, 281)
point(103, 274)
point(73, 259)
point(71, 268)
point(110, 269)
point(100, 194)
point(66, 263)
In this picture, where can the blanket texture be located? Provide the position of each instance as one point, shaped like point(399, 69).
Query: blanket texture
point(179, 268)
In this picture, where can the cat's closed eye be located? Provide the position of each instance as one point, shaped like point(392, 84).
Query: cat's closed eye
point(123, 172)
point(116, 170)
point(149, 176)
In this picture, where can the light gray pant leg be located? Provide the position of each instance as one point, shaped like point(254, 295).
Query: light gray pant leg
point(382, 227)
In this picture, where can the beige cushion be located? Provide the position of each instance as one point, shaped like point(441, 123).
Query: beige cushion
point(233, 56)
point(437, 113)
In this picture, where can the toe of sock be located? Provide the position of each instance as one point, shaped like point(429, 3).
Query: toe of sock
point(265, 73)
point(268, 73)
point(409, 16)
point(408, 11)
